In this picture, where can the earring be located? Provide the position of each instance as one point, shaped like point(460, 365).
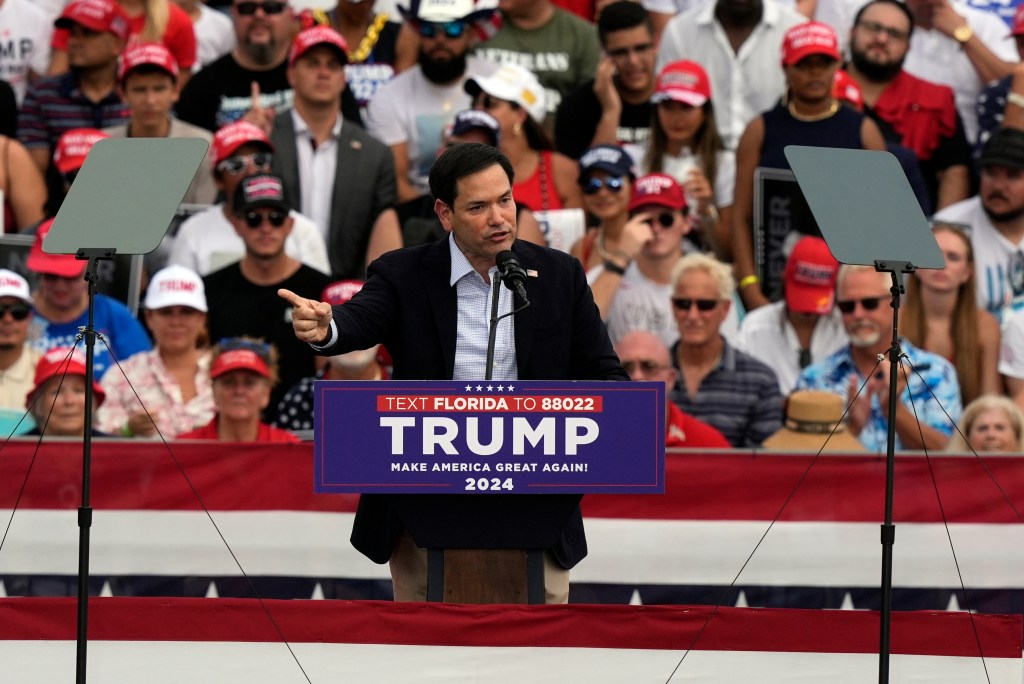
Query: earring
point(517, 129)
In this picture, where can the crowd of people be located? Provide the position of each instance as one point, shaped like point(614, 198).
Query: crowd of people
point(635, 131)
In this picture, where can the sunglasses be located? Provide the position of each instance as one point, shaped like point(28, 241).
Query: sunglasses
point(450, 29)
point(868, 304)
point(19, 312)
point(248, 8)
point(255, 219)
point(644, 365)
point(487, 103)
point(685, 303)
point(238, 164)
point(593, 185)
point(665, 219)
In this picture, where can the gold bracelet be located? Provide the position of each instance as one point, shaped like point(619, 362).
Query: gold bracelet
point(746, 281)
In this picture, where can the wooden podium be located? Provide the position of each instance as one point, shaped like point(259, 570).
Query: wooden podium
point(487, 548)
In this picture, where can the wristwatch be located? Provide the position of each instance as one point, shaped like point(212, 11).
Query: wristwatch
point(962, 34)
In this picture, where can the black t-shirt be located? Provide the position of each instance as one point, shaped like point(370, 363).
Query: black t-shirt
point(221, 92)
point(580, 112)
point(238, 307)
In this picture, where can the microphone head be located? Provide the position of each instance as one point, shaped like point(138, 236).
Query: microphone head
point(505, 257)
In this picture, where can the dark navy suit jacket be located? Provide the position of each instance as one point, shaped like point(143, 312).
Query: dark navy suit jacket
point(408, 305)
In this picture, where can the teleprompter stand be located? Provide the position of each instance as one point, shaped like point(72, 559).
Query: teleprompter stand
point(868, 215)
point(121, 202)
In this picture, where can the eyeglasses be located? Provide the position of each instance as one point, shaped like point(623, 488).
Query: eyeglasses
point(646, 366)
point(248, 8)
point(685, 303)
point(619, 53)
point(593, 185)
point(876, 28)
point(19, 312)
point(868, 304)
point(238, 164)
point(450, 29)
point(255, 219)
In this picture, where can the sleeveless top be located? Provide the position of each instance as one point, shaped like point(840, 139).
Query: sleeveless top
point(842, 129)
point(538, 192)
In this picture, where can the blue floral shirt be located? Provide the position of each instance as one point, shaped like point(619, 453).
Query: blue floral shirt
point(833, 373)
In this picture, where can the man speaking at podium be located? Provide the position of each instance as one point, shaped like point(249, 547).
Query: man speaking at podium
point(429, 306)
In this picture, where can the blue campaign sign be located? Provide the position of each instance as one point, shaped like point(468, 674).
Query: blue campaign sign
point(505, 437)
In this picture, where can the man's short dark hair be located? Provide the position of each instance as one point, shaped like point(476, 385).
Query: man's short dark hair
point(622, 15)
point(459, 161)
point(894, 3)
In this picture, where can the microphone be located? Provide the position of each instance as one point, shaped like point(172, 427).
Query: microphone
point(512, 274)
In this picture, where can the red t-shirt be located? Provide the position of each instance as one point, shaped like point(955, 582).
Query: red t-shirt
point(683, 430)
point(179, 37)
point(267, 433)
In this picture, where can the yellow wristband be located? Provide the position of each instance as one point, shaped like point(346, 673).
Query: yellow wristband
point(748, 280)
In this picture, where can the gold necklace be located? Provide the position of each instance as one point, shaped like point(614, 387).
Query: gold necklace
point(833, 108)
point(369, 41)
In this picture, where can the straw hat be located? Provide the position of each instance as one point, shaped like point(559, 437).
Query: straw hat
point(810, 417)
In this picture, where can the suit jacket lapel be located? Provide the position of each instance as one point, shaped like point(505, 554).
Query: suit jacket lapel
point(346, 173)
point(437, 264)
point(526, 320)
point(286, 157)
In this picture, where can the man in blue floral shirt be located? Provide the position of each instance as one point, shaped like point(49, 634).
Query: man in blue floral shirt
point(863, 298)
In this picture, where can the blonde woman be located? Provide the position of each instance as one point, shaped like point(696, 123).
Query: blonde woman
point(990, 423)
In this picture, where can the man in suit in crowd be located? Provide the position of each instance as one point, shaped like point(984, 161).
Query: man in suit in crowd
point(335, 173)
point(420, 303)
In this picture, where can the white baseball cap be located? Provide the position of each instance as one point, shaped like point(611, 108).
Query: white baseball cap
point(513, 83)
point(176, 286)
point(13, 285)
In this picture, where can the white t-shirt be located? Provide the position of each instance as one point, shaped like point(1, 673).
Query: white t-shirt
point(996, 259)
point(742, 85)
point(25, 32)
point(1011, 348)
point(938, 58)
point(678, 166)
point(215, 36)
point(680, 6)
point(207, 242)
point(410, 109)
point(768, 336)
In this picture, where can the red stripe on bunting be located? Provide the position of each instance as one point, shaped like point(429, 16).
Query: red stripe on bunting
point(132, 475)
point(578, 626)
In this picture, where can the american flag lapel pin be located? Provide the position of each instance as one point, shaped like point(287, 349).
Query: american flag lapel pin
point(530, 273)
point(357, 145)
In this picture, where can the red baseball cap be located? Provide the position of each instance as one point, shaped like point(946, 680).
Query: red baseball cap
point(845, 89)
point(809, 38)
point(61, 361)
point(233, 135)
point(239, 359)
point(1018, 22)
point(317, 35)
point(657, 189)
point(73, 147)
point(810, 277)
point(153, 54)
point(339, 292)
point(63, 265)
point(683, 81)
point(96, 15)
